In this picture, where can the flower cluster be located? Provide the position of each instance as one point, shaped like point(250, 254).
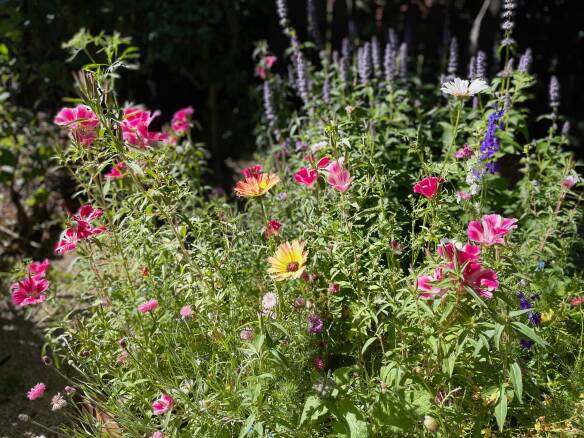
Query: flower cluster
point(31, 290)
point(80, 229)
point(81, 122)
point(136, 128)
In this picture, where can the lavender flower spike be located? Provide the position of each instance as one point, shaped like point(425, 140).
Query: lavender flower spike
point(364, 63)
point(525, 61)
point(554, 92)
point(481, 65)
point(389, 62)
point(376, 56)
point(453, 58)
point(269, 104)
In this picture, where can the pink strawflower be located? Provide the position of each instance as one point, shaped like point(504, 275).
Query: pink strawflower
point(272, 228)
point(37, 391)
point(81, 123)
point(428, 187)
point(269, 301)
point(135, 128)
point(464, 152)
point(39, 268)
point(306, 177)
point(162, 405)
point(246, 334)
point(577, 301)
point(491, 229)
point(186, 311)
point(181, 120)
point(29, 291)
point(148, 306)
point(338, 177)
point(570, 181)
point(116, 171)
point(318, 363)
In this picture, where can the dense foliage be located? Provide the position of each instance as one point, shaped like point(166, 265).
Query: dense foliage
point(401, 263)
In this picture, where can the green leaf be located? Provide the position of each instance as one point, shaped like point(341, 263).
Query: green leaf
point(529, 332)
point(313, 410)
point(516, 380)
point(247, 426)
point(367, 344)
point(501, 408)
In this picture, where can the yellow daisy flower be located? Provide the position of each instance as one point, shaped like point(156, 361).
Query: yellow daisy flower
point(289, 261)
point(256, 185)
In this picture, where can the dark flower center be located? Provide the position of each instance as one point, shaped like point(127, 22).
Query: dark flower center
point(292, 267)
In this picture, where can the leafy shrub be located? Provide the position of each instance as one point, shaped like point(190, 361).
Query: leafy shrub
point(330, 300)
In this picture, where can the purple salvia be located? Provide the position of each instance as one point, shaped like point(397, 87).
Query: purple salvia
point(376, 56)
point(344, 71)
point(389, 62)
point(481, 65)
point(508, 70)
point(346, 47)
point(452, 58)
point(554, 93)
point(403, 60)
point(312, 20)
point(269, 104)
point(525, 61)
point(302, 77)
point(472, 67)
point(364, 63)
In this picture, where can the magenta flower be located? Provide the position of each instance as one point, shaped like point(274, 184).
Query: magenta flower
point(315, 324)
point(333, 288)
point(483, 281)
point(463, 196)
point(269, 301)
point(428, 290)
point(306, 177)
point(570, 181)
point(181, 120)
point(272, 228)
point(30, 290)
point(577, 301)
point(464, 152)
point(318, 363)
point(428, 187)
point(39, 268)
point(162, 405)
point(270, 60)
point(491, 229)
point(135, 128)
point(116, 171)
point(81, 123)
point(246, 334)
point(80, 229)
point(338, 177)
point(186, 311)
point(37, 391)
point(157, 435)
point(148, 306)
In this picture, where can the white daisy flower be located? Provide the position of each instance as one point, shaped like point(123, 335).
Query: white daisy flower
point(462, 88)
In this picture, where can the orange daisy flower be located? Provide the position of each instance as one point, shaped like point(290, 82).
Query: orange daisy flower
point(255, 183)
point(289, 261)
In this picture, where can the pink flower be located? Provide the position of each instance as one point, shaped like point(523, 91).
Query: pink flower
point(270, 60)
point(135, 128)
point(483, 281)
point(333, 288)
point(306, 177)
point(464, 196)
point(261, 72)
point(181, 120)
point(246, 334)
point(30, 290)
point(318, 363)
point(81, 123)
point(39, 268)
point(428, 187)
point(68, 241)
point(338, 177)
point(449, 251)
point(162, 405)
point(491, 229)
point(323, 163)
point(464, 152)
point(254, 171)
point(269, 301)
point(265, 64)
point(116, 171)
point(428, 290)
point(570, 181)
point(272, 228)
point(186, 311)
point(88, 213)
point(80, 229)
point(577, 301)
point(157, 435)
point(148, 306)
point(37, 391)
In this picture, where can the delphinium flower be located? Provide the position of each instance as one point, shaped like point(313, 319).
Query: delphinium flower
point(315, 324)
point(29, 291)
point(490, 143)
point(570, 181)
point(80, 229)
point(338, 177)
point(181, 120)
point(272, 228)
point(289, 261)
point(554, 91)
point(116, 171)
point(39, 268)
point(452, 59)
point(81, 122)
point(491, 229)
point(403, 60)
point(36, 391)
point(376, 56)
point(526, 344)
point(461, 88)
point(148, 306)
point(269, 103)
point(525, 61)
point(186, 312)
point(364, 63)
point(58, 402)
point(136, 128)
point(428, 187)
point(162, 405)
point(255, 183)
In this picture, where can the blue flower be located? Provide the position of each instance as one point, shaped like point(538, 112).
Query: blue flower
point(534, 318)
point(540, 265)
point(491, 144)
point(523, 301)
point(526, 343)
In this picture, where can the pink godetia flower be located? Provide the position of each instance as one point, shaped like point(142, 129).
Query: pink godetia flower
point(306, 177)
point(162, 405)
point(428, 290)
point(80, 121)
point(186, 312)
point(254, 171)
point(37, 391)
point(490, 230)
point(570, 181)
point(463, 196)
point(29, 291)
point(272, 228)
point(148, 306)
point(577, 301)
point(80, 229)
point(39, 268)
point(269, 301)
point(265, 64)
point(181, 120)
point(428, 187)
point(135, 128)
point(338, 177)
point(270, 60)
point(464, 152)
point(116, 171)
point(323, 163)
